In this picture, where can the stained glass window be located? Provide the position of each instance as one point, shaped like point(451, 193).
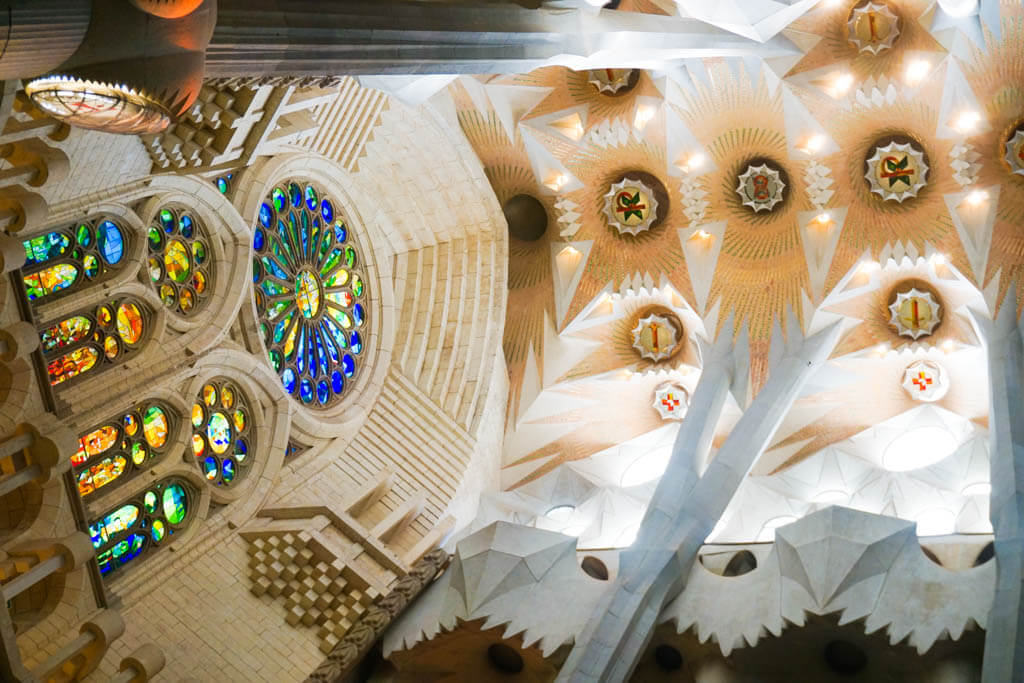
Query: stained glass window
point(310, 293)
point(83, 342)
point(61, 260)
point(121, 447)
point(140, 526)
point(180, 263)
point(224, 182)
point(223, 438)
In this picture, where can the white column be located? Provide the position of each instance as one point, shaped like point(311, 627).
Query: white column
point(685, 508)
point(1004, 635)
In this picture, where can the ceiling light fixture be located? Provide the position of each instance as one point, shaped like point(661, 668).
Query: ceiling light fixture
point(823, 219)
point(695, 161)
point(976, 197)
point(842, 84)
point(967, 121)
point(560, 513)
point(813, 144)
point(917, 70)
point(947, 345)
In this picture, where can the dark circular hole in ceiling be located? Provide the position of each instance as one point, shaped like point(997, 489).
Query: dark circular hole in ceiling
point(986, 554)
point(594, 568)
point(504, 658)
point(526, 216)
point(845, 658)
point(668, 658)
point(741, 563)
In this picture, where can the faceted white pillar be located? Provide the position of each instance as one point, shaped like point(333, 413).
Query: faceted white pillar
point(685, 508)
point(1004, 636)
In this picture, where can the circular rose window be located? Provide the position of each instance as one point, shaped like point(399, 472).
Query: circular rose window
point(310, 293)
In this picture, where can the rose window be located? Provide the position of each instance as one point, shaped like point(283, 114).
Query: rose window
point(222, 433)
point(179, 260)
point(309, 293)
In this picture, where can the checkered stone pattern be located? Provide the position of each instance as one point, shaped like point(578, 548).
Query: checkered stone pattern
point(315, 592)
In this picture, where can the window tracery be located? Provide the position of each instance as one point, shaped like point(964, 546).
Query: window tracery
point(180, 263)
point(309, 293)
point(61, 261)
point(121, 447)
point(141, 525)
point(223, 438)
point(84, 342)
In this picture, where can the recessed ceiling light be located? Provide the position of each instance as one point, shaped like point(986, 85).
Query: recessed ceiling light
point(967, 121)
point(842, 84)
point(976, 197)
point(560, 513)
point(917, 69)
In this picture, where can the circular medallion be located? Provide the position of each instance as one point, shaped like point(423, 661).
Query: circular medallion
point(761, 187)
point(310, 293)
point(100, 106)
point(1015, 151)
point(897, 171)
point(656, 337)
point(671, 401)
point(925, 380)
point(613, 81)
point(630, 206)
point(914, 313)
point(873, 27)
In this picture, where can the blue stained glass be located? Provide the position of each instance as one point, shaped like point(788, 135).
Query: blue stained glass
point(288, 380)
point(266, 215)
point(167, 221)
point(222, 185)
point(110, 242)
point(274, 269)
point(304, 231)
point(300, 357)
point(327, 211)
point(45, 247)
point(327, 343)
point(311, 198)
point(358, 314)
point(241, 449)
point(257, 270)
point(336, 334)
point(258, 239)
point(337, 382)
point(323, 392)
point(229, 470)
point(340, 233)
point(311, 355)
point(321, 354)
point(210, 468)
point(295, 193)
point(306, 391)
point(185, 225)
point(357, 343)
point(348, 366)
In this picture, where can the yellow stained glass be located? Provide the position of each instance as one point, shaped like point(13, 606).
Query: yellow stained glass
point(210, 395)
point(110, 347)
point(227, 398)
point(176, 261)
point(100, 440)
point(131, 424)
point(72, 364)
point(129, 323)
point(239, 419)
point(307, 294)
point(199, 282)
point(197, 415)
point(198, 445)
point(154, 426)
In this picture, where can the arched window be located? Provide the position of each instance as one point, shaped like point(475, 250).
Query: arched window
point(223, 438)
point(180, 263)
point(121, 447)
point(83, 342)
point(61, 261)
point(309, 293)
point(141, 525)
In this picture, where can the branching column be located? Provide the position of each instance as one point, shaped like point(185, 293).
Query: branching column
point(686, 507)
point(1004, 636)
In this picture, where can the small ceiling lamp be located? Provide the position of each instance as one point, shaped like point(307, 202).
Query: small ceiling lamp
point(959, 8)
point(967, 121)
point(841, 84)
point(916, 71)
point(976, 197)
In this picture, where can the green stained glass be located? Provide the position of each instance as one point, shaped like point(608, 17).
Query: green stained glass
point(199, 252)
point(331, 262)
point(156, 239)
point(117, 521)
point(154, 426)
point(357, 286)
point(289, 343)
point(341, 317)
point(277, 309)
point(91, 265)
point(50, 280)
point(350, 256)
point(281, 327)
point(149, 501)
point(337, 279)
point(45, 247)
point(83, 235)
point(273, 288)
point(176, 261)
point(175, 504)
point(279, 198)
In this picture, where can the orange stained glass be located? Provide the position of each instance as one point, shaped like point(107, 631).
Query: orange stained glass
point(129, 323)
point(199, 282)
point(110, 347)
point(176, 262)
point(72, 364)
point(198, 445)
point(131, 424)
point(197, 415)
point(154, 426)
point(104, 317)
point(101, 474)
point(227, 398)
point(100, 440)
point(239, 420)
point(210, 395)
